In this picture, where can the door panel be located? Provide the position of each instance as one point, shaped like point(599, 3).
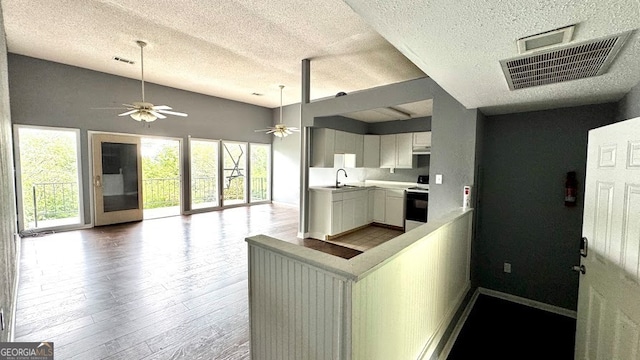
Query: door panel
point(608, 312)
point(117, 179)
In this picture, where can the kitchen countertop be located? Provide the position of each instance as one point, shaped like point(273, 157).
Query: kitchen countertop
point(369, 184)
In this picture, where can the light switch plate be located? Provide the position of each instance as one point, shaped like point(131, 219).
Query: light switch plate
point(507, 268)
point(438, 179)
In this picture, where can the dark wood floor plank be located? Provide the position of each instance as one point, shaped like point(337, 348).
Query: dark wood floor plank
point(172, 288)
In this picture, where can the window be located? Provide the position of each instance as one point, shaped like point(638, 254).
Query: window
point(259, 165)
point(204, 174)
point(234, 159)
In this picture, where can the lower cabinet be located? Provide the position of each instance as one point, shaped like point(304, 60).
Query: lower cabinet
point(388, 207)
point(332, 213)
point(394, 207)
point(335, 212)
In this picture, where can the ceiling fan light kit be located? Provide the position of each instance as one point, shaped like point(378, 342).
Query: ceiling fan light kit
point(280, 130)
point(144, 111)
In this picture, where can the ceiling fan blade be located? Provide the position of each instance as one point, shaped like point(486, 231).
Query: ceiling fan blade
point(109, 108)
point(161, 107)
point(273, 131)
point(128, 112)
point(172, 113)
point(157, 114)
point(129, 106)
point(293, 129)
point(289, 132)
point(262, 130)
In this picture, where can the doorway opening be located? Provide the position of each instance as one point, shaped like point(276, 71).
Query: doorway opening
point(161, 177)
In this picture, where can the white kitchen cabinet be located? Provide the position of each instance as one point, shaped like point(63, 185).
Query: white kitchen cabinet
point(388, 151)
point(422, 139)
point(394, 207)
point(370, 205)
point(371, 151)
point(341, 144)
point(404, 151)
point(396, 151)
point(358, 143)
point(379, 204)
point(334, 212)
point(323, 147)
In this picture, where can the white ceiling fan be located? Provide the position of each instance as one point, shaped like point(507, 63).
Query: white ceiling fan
point(145, 111)
point(280, 130)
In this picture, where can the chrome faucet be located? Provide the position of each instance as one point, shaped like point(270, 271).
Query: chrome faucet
point(338, 172)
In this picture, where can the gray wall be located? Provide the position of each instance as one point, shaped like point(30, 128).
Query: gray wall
point(453, 152)
point(52, 94)
point(522, 217)
point(286, 159)
point(338, 122)
point(9, 250)
point(401, 126)
point(629, 106)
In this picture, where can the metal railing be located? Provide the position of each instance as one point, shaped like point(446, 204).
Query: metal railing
point(59, 200)
point(161, 192)
point(52, 201)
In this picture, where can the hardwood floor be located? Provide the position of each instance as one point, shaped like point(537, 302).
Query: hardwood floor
point(170, 288)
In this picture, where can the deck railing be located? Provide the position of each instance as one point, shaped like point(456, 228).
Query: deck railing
point(59, 200)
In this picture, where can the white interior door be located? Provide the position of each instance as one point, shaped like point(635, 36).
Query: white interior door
point(117, 179)
point(608, 325)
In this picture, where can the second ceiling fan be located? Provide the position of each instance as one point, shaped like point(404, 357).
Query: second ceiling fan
point(144, 111)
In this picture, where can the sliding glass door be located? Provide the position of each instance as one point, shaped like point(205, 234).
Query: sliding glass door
point(234, 159)
point(49, 181)
point(204, 173)
point(260, 172)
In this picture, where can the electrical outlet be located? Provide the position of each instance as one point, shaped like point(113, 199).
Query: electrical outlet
point(438, 179)
point(507, 268)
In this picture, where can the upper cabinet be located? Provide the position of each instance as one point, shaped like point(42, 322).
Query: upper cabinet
point(422, 139)
point(335, 148)
point(396, 151)
point(323, 147)
point(371, 153)
point(328, 142)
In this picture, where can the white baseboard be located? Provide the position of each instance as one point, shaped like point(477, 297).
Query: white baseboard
point(435, 339)
point(456, 330)
point(528, 302)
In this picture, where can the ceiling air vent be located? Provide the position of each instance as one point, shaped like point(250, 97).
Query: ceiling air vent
point(126, 61)
point(573, 62)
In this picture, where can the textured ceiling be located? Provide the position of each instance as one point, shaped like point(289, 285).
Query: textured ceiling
point(224, 48)
point(459, 45)
point(233, 48)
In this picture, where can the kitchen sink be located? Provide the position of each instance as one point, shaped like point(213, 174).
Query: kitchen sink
point(340, 187)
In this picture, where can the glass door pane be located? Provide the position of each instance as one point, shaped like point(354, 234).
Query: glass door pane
point(234, 158)
point(260, 163)
point(119, 176)
point(204, 174)
point(49, 177)
point(117, 179)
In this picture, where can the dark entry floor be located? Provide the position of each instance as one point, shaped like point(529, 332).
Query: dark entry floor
point(500, 329)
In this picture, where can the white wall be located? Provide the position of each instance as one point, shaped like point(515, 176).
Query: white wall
point(286, 158)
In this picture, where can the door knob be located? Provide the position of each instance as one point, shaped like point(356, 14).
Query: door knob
point(580, 268)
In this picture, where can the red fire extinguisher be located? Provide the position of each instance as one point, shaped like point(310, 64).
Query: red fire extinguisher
point(570, 189)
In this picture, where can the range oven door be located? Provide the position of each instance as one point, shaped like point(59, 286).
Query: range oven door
point(416, 205)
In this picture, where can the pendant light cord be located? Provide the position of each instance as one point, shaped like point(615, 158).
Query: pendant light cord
point(142, 45)
point(281, 87)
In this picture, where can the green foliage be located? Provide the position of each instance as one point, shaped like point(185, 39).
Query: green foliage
point(48, 164)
